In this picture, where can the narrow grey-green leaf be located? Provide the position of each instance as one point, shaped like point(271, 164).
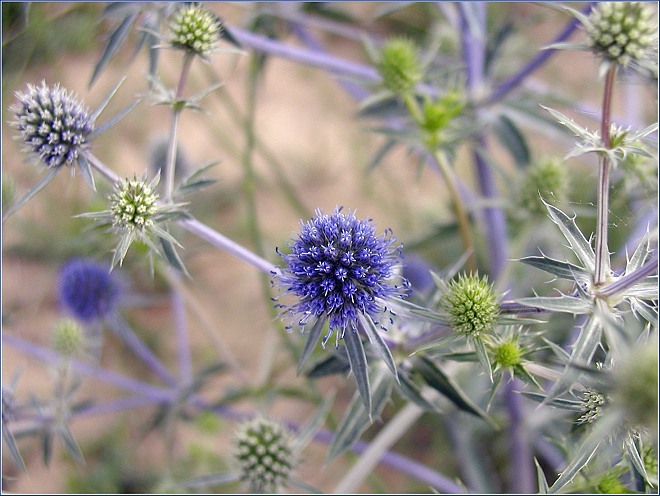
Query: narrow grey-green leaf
point(359, 368)
point(563, 270)
point(565, 304)
point(540, 477)
point(14, 453)
point(442, 383)
point(172, 256)
point(312, 339)
point(482, 355)
point(379, 343)
point(117, 38)
point(70, 443)
point(113, 120)
point(574, 236)
point(43, 182)
point(512, 139)
point(635, 458)
point(86, 171)
point(602, 429)
point(413, 392)
point(356, 419)
point(209, 480)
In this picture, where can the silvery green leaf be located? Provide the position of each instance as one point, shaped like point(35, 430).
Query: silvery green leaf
point(119, 254)
point(359, 368)
point(648, 312)
point(640, 254)
point(540, 477)
point(512, 139)
point(600, 432)
point(647, 289)
point(578, 130)
point(356, 419)
point(571, 405)
point(408, 388)
point(172, 256)
point(116, 40)
point(579, 244)
point(379, 344)
point(566, 304)
point(442, 383)
point(482, 356)
point(307, 488)
point(43, 182)
point(329, 365)
point(113, 120)
point(194, 181)
point(210, 480)
point(107, 99)
point(635, 459)
point(70, 443)
point(563, 270)
point(14, 453)
point(310, 343)
point(306, 433)
point(86, 171)
point(581, 355)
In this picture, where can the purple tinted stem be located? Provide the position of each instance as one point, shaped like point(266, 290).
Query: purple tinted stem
point(330, 63)
point(541, 57)
point(520, 454)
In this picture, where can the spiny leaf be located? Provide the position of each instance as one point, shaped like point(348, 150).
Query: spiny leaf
point(359, 368)
point(379, 343)
point(117, 38)
point(563, 270)
point(310, 343)
point(574, 236)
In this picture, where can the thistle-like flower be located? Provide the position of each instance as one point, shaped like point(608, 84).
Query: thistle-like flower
point(472, 305)
point(86, 289)
point(195, 30)
point(399, 65)
point(264, 454)
point(136, 214)
point(591, 406)
point(54, 124)
point(343, 274)
point(621, 32)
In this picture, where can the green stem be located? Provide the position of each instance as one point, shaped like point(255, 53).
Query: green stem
point(450, 180)
point(170, 166)
point(602, 209)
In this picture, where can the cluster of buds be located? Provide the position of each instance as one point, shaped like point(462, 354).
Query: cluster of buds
point(195, 30)
point(622, 32)
point(399, 65)
point(264, 454)
point(134, 205)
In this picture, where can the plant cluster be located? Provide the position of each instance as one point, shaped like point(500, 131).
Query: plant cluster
point(451, 326)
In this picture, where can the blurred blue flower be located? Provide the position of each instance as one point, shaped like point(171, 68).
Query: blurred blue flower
point(87, 290)
point(342, 272)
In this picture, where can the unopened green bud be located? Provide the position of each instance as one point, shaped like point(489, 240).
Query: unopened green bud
point(636, 386)
point(264, 454)
point(507, 354)
point(195, 29)
point(546, 178)
point(399, 65)
point(472, 305)
point(68, 338)
point(622, 32)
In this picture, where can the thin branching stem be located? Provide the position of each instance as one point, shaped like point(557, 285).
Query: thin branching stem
point(602, 207)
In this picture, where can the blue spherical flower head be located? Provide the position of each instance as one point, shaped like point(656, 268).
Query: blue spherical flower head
point(87, 289)
point(344, 274)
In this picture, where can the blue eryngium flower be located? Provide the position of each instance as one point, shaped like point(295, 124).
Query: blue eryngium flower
point(87, 290)
point(341, 271)
point(345, 275)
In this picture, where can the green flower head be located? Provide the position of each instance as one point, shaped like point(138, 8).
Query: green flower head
point(264, 453)
point(546, 178)
point(622, 32)
point(195, 30)
point(134, 205)
point(472, 305)
point(507, 354)
point(399, 65)
point(68, 338)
